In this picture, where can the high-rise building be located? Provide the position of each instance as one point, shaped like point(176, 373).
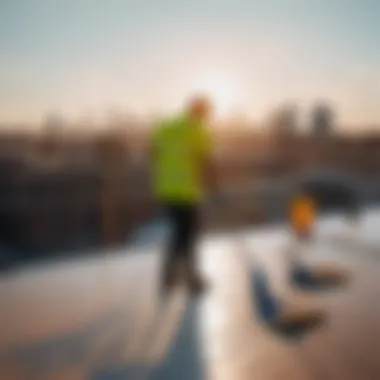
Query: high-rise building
point(284, 121)
point(322, 120)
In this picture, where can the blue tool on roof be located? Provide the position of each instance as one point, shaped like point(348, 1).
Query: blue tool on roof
point(305, 278)
point(267, 305)
point(270, 310)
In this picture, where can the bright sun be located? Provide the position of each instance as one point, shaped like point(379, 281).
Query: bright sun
point(220, 90)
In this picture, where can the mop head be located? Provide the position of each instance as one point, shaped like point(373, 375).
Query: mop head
point(266, 304)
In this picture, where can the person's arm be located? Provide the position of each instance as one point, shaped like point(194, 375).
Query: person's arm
point(208, 164)
point(209, 174)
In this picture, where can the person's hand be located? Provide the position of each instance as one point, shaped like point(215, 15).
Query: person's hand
point(215, 199)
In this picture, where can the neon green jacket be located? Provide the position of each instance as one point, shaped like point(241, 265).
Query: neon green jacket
point(180, 147)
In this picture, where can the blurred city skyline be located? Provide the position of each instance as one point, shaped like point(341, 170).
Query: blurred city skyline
point(82, 59)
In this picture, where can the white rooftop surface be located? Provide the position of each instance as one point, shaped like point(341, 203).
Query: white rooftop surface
point(92, 318)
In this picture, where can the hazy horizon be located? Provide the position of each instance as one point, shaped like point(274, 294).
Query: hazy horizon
point(84, 58)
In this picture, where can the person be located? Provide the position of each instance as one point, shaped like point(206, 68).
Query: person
point(181, 162)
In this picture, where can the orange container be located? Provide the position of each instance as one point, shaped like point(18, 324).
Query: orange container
point(303, 215)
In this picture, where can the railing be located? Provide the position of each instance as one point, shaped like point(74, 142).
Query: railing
point(45, 212)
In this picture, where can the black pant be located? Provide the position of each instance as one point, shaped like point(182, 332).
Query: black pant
point(183, 219)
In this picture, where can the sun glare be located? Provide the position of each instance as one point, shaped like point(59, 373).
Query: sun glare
point(221, 91)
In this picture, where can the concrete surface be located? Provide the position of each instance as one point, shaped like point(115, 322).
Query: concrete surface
point(101, 318)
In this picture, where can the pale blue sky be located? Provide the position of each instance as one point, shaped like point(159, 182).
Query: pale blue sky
point(81, 56)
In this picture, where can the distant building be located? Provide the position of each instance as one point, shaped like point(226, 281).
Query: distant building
point(322, 123)
point(53, 123)
point(284, 122)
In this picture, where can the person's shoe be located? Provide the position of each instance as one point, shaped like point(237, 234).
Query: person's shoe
point(188, 276)
point(169, 278)
point(196, 285)
point(194, 282)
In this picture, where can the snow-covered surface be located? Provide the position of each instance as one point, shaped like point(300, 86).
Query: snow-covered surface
point(79, 318)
